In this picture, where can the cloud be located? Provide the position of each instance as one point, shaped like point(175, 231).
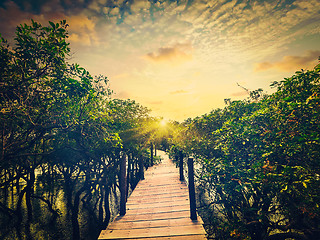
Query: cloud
point(263, 66)
point(140, 5)
point(82, 30)
point(291, 63)
point(255, 28)
point(12, 15)
point(176, 54)
point(221, 41)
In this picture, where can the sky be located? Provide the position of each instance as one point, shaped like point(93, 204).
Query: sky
point(181, 58)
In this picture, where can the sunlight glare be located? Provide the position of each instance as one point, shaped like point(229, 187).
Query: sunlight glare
point(163, 123)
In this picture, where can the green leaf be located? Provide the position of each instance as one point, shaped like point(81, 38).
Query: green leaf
point(52, 25)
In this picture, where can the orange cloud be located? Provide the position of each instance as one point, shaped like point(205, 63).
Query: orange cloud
point(177, 54)
point(291, 63)
point(82, 30)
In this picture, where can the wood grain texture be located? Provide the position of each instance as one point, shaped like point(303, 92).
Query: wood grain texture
point(157, 209)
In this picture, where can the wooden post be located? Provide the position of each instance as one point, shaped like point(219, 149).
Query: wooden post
point(181, 166)
point(123, 185)
point(151, 155)
point(129, 177)
point(192, 193)
point(147, 163)
point(141, 168)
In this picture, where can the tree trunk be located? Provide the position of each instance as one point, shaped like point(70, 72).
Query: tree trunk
point(75, 213)
point(106, 208)
point(75, 222)
point(18, 213)
point(29, 193)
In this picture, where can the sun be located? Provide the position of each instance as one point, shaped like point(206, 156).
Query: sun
point(163, 123)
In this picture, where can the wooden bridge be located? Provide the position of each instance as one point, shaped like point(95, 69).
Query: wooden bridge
point(158, 208)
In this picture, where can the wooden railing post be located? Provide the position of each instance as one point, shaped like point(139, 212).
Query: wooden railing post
point(141, 168)
point(151, 155)
point(181, 166)
point(123, 185)
point(192, 192)
point(129, 174)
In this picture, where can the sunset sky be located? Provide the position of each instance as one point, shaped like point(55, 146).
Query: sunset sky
point(181, 58)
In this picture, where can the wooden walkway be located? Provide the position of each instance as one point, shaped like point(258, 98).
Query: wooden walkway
point(158, 208)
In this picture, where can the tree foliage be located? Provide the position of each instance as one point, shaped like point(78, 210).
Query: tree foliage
point(259, 161)
point(61, 138)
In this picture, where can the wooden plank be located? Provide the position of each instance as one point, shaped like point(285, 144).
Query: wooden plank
point(181, 202)
point(151, 193)
point(158, 208)
point(152, 224)
point(159, 200)
point(190, 237)
point(155, 204)
point(153, 232)
point(155, 216)
point(163, 194)
point(153, 210)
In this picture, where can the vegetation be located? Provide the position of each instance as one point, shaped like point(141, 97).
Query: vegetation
point(62, 136)
point(259, 162)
